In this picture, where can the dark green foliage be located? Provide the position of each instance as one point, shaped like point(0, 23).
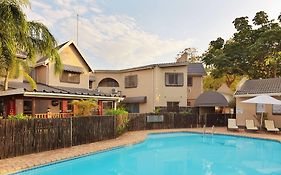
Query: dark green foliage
point(252, 51)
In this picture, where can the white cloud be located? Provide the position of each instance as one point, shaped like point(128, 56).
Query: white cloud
point(116, 40)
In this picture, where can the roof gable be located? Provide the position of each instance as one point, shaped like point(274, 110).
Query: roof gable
point(67, 44)
point(45, 60)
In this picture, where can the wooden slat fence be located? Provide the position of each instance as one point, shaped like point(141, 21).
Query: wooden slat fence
point(20, 137)
point(171, 120)
point(217, 119)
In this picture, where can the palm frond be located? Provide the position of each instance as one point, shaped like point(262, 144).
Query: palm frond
point(30, 80)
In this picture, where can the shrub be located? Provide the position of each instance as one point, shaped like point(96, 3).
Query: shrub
point(122, 119)
point(115, 112)
point(18, 117)
point(85, 107)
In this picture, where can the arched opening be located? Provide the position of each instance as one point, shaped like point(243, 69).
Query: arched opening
point(108, 82)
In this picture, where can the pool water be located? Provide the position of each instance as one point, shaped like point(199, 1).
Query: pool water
point(178, 154)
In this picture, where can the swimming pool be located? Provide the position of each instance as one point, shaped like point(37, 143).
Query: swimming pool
point(178, 154)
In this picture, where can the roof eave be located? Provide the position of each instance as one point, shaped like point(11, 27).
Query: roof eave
point(69, 96)
point(254, 95)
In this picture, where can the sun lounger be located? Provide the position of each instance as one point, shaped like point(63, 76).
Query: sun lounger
point(250, 125)
point(269, 125)
point(231, 124)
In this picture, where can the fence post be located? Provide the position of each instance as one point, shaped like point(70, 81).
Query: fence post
point(71, 131)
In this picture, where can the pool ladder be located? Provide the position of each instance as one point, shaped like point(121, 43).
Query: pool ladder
point(204, 129)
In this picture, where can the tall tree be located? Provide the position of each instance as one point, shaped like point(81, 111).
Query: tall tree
point(252, 51)
point(18, 35)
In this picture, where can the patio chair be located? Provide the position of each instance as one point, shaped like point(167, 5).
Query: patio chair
point(250, 125)
point(269, 125)
point(231, 124)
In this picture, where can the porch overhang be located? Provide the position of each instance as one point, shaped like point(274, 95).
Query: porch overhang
point(24, 93)
point(141, 99)
point(70, 96)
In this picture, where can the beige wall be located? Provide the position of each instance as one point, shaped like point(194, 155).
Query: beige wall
point(144, 88)
point(166, 93)
point(196, 89)
point(70, 56)
point(249, 110)
point(151, 83)
point(19, 106)
point(41, 74)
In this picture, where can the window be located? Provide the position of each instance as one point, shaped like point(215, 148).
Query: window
point(69, 106)
point(173, 107)
point(70, 77)
point(90, 84)
point(131, 81)
point(174, 79)
point(260, 108)
point(188, 103)
point(27, 107)
point(108, 82)
point(189, 81)
point(133, 108)
point(276, 109)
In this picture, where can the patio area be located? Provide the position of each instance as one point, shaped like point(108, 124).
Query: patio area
point(16, 164)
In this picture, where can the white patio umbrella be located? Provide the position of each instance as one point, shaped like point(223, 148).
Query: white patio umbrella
point(263, 99)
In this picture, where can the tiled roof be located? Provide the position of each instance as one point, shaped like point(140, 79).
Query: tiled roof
point(55, 89)
point(196, 69)
point(81, 91)
point(192, 68)
point(73, 68)
point(41, 60)
point(261, 86)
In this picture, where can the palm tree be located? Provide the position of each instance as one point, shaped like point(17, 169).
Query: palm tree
point(17, 35)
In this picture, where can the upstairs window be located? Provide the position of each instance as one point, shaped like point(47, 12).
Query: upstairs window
point(70, 77)
point(174, 79)
point(90, 84)
point(131, 81)
point(108, 82)
point(189, 81)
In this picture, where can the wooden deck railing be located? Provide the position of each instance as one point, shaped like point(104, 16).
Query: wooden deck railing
point(53, 115)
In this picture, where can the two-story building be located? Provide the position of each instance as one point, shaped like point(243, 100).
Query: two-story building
point(168, 86)
point(54, 93)
point(148, 87)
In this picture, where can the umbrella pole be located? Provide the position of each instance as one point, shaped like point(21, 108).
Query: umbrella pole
point(261, 120)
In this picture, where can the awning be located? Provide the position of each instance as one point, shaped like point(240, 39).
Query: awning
point(211, 99)
point(141, 99)
point(75, 69)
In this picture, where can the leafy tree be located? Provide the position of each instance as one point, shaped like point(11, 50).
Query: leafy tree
point(17, 35)
point(252, 51)
point(188, 55)
point(85, 107)
point(211, 83)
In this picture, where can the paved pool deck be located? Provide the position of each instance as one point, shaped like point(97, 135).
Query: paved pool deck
point(12, 165)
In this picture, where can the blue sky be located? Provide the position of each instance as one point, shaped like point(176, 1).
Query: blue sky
point(116, 34)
